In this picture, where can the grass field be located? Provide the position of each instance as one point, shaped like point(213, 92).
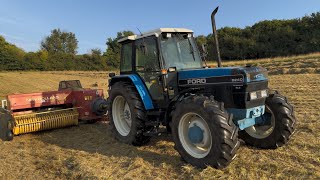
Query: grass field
point(89, 151)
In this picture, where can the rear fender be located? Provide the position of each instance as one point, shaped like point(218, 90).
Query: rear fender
point(141, 88)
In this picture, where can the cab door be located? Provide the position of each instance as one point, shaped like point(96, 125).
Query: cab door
point(148, 67)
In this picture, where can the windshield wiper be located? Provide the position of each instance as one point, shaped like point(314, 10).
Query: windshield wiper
point(191, 50)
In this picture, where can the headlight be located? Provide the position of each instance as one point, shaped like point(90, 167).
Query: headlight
point(264, 93)
point(258, 94)
point(253, 95)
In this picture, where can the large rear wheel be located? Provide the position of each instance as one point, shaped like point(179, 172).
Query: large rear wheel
point(127, 114)
point(204, 133)
point(276, 133)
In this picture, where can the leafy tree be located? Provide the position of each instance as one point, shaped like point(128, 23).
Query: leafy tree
point(60, 42)
point(96, 51)
point(11, 57)
point(263, 39)
point(97, 59)
point(268, 39)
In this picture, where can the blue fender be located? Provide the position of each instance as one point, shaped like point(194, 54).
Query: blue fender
point(141, 88)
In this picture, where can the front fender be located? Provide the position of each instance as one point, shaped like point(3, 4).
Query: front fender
point(141, 88)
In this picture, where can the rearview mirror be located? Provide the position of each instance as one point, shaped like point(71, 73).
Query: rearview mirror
point(204, 48)
point(204, 53)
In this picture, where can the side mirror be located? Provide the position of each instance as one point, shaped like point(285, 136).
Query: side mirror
point(204, 48)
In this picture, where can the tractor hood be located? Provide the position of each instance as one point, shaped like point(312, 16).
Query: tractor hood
point(225, 75)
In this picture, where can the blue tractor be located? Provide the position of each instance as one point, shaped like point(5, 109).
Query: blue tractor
point(164, 82)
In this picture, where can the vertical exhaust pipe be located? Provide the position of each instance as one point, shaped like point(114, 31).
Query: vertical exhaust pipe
point(214, 30)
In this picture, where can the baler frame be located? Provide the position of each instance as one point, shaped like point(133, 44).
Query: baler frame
point(53, 109)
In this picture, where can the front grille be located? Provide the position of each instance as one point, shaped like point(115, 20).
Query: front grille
point(241, 96)
point(256, 86)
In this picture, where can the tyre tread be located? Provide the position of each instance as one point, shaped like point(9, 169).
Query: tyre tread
point(283, 112)
point(223, 124)
point(139, 111)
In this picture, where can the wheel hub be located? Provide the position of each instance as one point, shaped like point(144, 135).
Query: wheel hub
point(264, 127)
point(121, 115)
point(195, 134)
point(126, 114)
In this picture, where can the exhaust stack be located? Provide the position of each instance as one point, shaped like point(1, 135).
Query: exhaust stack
point(214, 30)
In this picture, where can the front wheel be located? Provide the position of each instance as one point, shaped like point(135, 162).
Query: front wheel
point(276, 133)
point(203, 132)
point(127, 114)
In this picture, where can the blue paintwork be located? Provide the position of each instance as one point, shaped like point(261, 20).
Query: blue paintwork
point(248, 117)
point(222, 71)
point(192, 73)
point(195, 134)
point(242, 117)
point(141, 88)
point(203, 73)
point(260, 77)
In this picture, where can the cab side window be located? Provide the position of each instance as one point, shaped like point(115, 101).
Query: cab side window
point(147, 55)
point(126, 59)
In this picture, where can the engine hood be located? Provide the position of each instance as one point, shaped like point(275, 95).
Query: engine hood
point(233, 75)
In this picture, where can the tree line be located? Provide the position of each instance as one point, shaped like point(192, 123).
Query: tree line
point(267, 39)
point(58, 51)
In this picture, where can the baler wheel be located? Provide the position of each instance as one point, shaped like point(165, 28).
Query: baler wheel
point(6, 125)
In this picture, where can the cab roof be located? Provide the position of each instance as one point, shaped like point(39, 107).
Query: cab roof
point(155, 32)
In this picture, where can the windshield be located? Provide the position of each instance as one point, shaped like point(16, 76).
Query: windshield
point(180, 51)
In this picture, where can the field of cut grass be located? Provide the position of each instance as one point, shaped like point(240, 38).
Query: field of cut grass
point(88, 151)
point(302, 64)
point(26, 82)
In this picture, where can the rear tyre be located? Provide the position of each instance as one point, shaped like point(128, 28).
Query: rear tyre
point(127, 114)
point(280, 129)
point(204, 133)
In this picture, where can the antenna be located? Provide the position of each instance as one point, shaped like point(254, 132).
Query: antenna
point(139, 31)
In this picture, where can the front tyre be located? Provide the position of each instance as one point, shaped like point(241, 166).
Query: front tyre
point(203, 132)
point(278, 131)
point(127, 114)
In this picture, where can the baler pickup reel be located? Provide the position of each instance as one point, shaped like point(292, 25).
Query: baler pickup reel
point(25, 113)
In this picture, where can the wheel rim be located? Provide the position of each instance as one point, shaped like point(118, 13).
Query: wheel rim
point(121, 115)
point(202, 147)
point(262, 131)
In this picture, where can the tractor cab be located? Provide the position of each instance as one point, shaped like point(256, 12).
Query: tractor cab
point(156, 57)
point(162, 48)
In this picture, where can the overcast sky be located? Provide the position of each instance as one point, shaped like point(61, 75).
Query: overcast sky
point(26, 23)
